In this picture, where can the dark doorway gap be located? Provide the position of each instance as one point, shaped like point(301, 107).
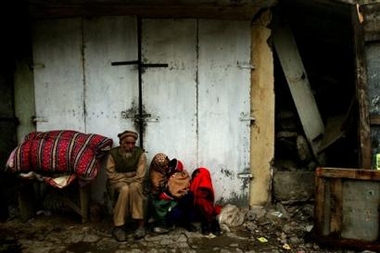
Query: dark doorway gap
point(326, 49)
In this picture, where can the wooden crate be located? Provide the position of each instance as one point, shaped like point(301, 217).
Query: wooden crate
point(347, 206)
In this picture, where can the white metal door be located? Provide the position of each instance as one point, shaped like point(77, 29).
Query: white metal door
point(58, 74)
point(76, 85)
point(200, 104)
point(197, 108)
point(224, 106)
point(111, 90)
point(169, 94)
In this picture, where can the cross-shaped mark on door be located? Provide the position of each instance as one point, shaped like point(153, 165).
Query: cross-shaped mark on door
point(141, 116)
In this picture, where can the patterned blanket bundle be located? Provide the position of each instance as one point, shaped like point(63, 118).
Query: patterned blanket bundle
point(58, 157)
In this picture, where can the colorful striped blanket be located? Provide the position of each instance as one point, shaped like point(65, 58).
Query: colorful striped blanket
point(53, 154)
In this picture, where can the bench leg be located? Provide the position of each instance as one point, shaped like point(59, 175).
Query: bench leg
point(84, 194)
point(27, 202)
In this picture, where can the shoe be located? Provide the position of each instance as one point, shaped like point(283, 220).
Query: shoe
point(205, 229)
point(160, 230)
point(119, 234)
point(171, 227)
point(191, 227)
point(215, 227)
point(139, 233)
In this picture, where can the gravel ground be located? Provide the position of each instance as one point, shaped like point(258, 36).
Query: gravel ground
point(273, 231)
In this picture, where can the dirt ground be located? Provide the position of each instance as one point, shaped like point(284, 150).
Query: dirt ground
point(56, 233)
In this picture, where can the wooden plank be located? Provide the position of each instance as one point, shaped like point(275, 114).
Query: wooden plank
point(27, 201)
point(364, 146)
point(336, 127)
point(84, 197)
point(299, 86)
point(375, 120)
point(366, 2)
point(79, 204)
point(336, 207)
point(319, 204)
point(359, 174)
point(333, 131)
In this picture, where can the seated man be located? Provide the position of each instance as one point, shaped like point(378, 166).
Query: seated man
point(126, 168)
point(203, 193)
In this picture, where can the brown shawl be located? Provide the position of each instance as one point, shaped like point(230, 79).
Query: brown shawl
point(158, 171)
point(179, 184)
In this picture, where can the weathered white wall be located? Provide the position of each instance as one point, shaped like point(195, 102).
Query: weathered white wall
point(199, 105)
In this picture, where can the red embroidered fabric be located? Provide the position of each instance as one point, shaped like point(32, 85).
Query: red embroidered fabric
point(60, 152)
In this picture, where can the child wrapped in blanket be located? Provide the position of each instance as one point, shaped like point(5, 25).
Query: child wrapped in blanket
point(204, 201)
point(170, 196)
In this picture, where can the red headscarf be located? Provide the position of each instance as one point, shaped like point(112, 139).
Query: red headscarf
point(203, 190)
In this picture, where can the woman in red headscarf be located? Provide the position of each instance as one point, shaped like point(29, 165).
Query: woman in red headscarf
point(204, 201)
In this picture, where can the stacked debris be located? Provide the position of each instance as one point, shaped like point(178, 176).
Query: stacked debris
point(292, 149)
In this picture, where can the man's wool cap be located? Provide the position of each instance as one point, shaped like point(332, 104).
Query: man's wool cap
point(127, 133)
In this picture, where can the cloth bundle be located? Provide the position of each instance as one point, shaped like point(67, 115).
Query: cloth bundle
point(179, 184)
point(62, 152)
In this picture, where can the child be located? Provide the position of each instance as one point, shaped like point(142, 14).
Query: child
point(170, 182)
point(203, 193)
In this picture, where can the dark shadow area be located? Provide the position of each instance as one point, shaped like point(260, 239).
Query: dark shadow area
point(324, 39)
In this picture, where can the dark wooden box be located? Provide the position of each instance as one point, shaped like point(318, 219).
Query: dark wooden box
point(347, 205)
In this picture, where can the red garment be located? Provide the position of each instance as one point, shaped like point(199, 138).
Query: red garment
point(203, 191)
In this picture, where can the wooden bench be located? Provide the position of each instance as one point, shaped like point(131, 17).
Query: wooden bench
point(29, 201)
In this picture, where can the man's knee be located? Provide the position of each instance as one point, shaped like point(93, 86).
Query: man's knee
point(124, 190)
point(136, 187)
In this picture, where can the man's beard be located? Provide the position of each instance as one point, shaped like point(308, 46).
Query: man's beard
point(128, 154)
